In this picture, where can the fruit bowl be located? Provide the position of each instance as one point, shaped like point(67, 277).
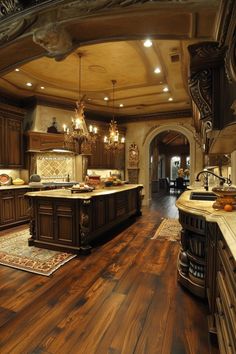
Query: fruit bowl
point(225, 196)
point(224, 192)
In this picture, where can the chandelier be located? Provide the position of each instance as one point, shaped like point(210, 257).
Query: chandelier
point(77, 136)
point(113, 142)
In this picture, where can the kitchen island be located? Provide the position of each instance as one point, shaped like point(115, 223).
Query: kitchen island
point(66, 221)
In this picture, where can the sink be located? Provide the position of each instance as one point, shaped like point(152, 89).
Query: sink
point(202, 196)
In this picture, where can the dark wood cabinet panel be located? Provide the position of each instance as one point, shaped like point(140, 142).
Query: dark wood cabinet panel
point(14, 208)
point(8, 214)
point(11, 135)
point(2, 142)
point(21, 205)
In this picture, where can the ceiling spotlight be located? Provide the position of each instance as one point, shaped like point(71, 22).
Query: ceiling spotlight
point(147, 43)
point(17, 69)
point(165, 89)
point(121, 105)
point(157, 71)
point(106, 98)
point(170, 99)
point(29, 84)
point(42, 87)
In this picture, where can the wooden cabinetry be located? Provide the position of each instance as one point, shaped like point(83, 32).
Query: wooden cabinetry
point(13, 207)
point(37, 141)
point(102, 158)
point(192, 257)
point(225, 314)
point(11, 137)
point(70, 224)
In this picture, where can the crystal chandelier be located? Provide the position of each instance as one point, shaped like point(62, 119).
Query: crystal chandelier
point(113, 142)
point(77, 136)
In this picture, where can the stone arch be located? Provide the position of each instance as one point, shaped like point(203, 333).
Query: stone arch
point(187, 132)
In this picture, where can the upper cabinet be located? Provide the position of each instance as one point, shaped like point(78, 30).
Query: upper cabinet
point(11, 136)
point(37, 141)
point(212, 85)
point(106, 159)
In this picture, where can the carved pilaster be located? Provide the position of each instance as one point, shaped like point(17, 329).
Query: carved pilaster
point(85, 222)
point(32, 228)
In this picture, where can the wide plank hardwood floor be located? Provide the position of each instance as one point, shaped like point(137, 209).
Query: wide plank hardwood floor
point(123, 298)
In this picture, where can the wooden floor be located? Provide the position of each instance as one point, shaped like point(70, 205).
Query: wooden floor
point(123, 298)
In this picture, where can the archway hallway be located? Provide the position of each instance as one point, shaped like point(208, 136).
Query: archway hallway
point(123, 298)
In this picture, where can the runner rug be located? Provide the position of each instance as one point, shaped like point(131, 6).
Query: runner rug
point(169, 229)
point(15, 253)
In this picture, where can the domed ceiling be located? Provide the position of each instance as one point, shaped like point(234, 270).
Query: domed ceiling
point(148, 79)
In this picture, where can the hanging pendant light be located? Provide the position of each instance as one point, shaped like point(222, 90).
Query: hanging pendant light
point(77, 134)
point(113, 142)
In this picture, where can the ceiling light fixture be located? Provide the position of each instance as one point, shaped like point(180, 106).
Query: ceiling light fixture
point(113, 142)
point(165, 89)
point(170, 99)
point(77, 137)
point(29, 84)
point(121, 105)
point(42, 87)
point(147, 43)
point(157, 70)
point(106, 98)
point(17, 69)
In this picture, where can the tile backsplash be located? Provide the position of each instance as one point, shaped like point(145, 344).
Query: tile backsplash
point(55, 167)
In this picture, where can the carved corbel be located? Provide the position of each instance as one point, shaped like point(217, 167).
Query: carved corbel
point(55, 39)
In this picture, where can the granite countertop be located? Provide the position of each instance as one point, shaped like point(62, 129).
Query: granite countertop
point(225, 220)
point(12, 186)
point(66, 193)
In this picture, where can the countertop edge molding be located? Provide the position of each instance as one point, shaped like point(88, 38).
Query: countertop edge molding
point(225, 220)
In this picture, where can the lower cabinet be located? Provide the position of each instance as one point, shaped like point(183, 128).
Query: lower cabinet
point(192, 256)
point(225, 314)
point(207, 267)
point(13, 208)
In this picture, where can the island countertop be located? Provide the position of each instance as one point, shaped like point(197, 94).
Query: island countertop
point(67, 194)
point(225, 220)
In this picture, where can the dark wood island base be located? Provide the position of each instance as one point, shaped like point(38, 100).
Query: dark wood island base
point(68, 222)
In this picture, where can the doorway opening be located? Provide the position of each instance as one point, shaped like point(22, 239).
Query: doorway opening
point(169, 163)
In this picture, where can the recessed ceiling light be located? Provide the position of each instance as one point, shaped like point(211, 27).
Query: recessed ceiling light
point(157, 71)
point(42, 87)
point(29, 84)
point(17, 69)
point(165, 89)
point(147, 43)
point(121, 105)
point(170, 99)
point(106, 98)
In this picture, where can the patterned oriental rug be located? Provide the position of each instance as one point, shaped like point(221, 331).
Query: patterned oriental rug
point(169, 229)
point(15, 253)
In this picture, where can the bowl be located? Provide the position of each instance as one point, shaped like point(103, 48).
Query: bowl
point(224, 192)
point(108, 183)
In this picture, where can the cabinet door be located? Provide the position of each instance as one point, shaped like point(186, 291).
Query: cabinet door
point(7, 211)
point(14, 142)
point(22, 205)
point(2, 142)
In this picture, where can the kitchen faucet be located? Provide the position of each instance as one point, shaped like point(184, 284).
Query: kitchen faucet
point(206, 173)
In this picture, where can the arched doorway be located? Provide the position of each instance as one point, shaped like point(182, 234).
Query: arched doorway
point(187, 132)
point(169, 159)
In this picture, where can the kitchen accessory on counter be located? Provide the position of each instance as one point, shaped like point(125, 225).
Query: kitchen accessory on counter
point(225, 196)
point(18, 181)
point(5, 180)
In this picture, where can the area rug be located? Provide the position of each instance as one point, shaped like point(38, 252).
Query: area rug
point(169, 229)
point(15, 253)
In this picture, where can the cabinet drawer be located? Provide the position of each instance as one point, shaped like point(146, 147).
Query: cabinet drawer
point(228, 262)
point(224, 307)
